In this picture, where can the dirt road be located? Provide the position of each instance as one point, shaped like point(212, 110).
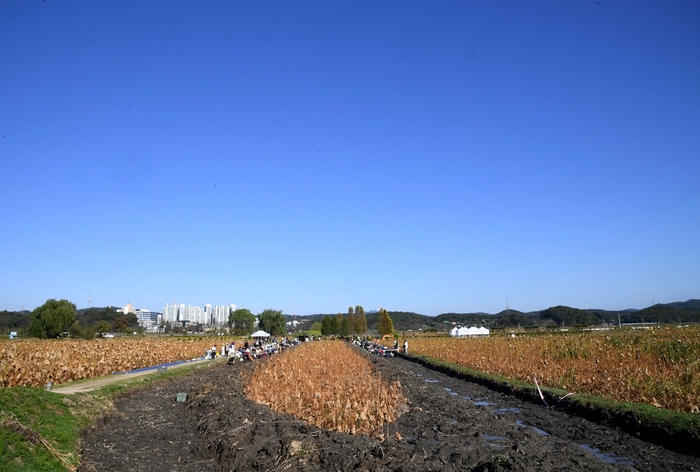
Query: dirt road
point(89, 385)
point(450, 424)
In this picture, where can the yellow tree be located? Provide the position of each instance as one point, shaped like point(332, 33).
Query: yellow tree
point(360, 320)
point(384, 323)
point(352, 320)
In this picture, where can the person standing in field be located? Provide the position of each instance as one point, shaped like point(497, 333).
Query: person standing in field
point(405, 346)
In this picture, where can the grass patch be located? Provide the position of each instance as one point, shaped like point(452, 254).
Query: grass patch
point(51, 416)
point(29, 415)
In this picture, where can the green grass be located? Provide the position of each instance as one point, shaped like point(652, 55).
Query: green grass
point(17, 454)
point(59, 419)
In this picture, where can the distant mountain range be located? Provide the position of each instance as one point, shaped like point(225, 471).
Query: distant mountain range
point(675, 312)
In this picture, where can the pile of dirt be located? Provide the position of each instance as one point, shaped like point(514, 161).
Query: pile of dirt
point(449, 424)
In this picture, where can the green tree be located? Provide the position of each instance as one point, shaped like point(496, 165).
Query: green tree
point(360, 320)
point(384, 323)
point(345, 327)
point(88, 332)
point(326, 326)
point(242, 319)
point(75, 330)
point(273, 322)
point(338, 323)
point(121, 324)
point(132, 319)
point(316, 326)
point(103, 327)
point(52, 318)
point(333, 324)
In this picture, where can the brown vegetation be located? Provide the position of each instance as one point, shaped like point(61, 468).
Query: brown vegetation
point(660, 367)
point(34, 362)
point(328, 384)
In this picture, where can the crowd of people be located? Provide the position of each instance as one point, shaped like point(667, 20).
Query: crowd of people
point(247, 351)
point(260, 348)
point(376, 347)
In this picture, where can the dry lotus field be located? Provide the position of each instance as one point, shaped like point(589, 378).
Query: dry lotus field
point(660, 367)
point(328, 384)
point(34, 362)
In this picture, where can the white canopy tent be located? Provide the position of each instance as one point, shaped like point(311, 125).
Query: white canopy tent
point(464, 332)
point(260, 334)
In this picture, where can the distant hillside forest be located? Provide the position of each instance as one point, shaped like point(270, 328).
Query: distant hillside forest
point(560, 316)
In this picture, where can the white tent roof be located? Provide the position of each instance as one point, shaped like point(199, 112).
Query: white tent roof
point(464, 331)
point(260, 334)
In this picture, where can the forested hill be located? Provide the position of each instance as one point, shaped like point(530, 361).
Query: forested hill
point(91, 316)
point(13, 320)
point(683, 312)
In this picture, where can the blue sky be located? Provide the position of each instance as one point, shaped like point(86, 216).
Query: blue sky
point(422, 156)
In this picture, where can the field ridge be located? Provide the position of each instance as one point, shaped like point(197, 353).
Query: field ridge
point(679, 432)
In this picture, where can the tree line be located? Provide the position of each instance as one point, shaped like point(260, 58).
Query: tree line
point(242, 321)
point(57, 317)
point(354, 323)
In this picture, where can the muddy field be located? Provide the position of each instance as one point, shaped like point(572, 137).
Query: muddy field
point(449, 424)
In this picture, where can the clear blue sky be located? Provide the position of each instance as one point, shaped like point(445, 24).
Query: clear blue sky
point(421, 156)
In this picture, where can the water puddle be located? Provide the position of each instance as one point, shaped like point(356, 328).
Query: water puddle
point(482, 403)
point(608, 458)
point(503, 411)
point(523, 425)
point(495, 441)
point(498, 441)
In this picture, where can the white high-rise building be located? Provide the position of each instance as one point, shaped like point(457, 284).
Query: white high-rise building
point(171, 313)
point(217, 316)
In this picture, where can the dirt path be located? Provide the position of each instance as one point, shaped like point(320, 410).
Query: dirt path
point(450, 424)
point(89, 385)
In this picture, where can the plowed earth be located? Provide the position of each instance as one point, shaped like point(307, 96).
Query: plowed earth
point(450, 424)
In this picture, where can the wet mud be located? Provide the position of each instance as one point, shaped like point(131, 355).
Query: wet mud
point(449, 424)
